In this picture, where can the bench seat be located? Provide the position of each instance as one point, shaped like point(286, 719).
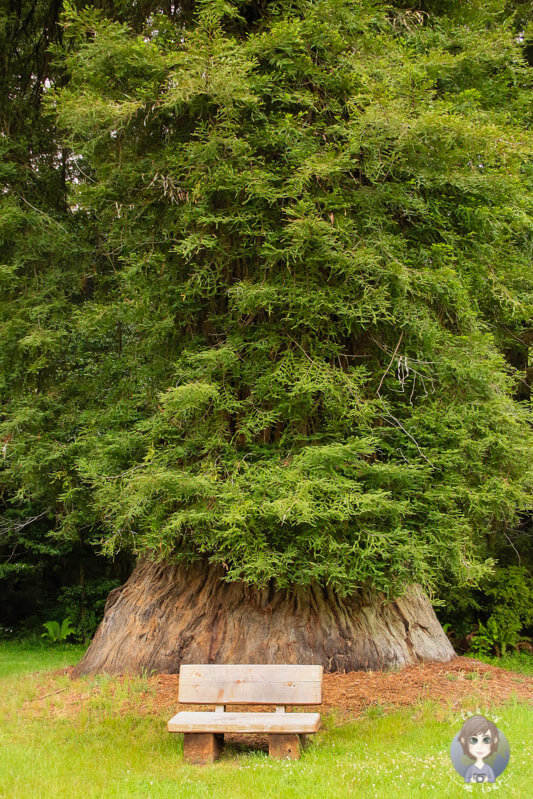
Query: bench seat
point(293, 723)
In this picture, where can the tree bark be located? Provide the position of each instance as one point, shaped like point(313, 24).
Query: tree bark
point(165, 615)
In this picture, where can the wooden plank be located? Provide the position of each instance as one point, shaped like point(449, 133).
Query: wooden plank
point(250, 684)
point(284, 746)
point(202, 747)
point(257, 672)
point(230, 693)
point(192, 721)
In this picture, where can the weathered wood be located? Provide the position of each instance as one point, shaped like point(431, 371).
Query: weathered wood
point(202, 747)
point(198, 721)
point(264, 684)
point(251, 684)
point(167, 615)
point(261, 673)
point(252, 694)
point(284, 746)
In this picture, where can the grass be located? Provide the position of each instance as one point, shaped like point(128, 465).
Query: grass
point(100, 737)
point(515, 661)
point(35, 654)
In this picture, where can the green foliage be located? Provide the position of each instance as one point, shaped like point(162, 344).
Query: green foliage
point(494, 638)
point(57, 632)
point(491, 617)
point(279, 316)
point(508, 598)
point(84, 605)
point(510, 593)
point(485, 638)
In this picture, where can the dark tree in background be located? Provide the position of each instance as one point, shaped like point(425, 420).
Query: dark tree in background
point(265, 323)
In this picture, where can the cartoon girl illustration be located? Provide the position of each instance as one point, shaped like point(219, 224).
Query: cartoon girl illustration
point(479, 739)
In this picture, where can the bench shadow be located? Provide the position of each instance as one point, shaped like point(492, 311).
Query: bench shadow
point(243, 744)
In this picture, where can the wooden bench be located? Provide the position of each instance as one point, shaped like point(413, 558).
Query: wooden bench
point(246, 685)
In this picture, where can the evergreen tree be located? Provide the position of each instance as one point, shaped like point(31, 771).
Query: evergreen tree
point(271, 328)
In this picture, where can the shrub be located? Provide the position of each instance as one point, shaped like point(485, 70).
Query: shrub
point(85, 605)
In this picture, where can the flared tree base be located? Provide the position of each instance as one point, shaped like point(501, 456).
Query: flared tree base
point(166, 615)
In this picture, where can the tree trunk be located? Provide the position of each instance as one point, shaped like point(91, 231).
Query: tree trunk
point(166, 615)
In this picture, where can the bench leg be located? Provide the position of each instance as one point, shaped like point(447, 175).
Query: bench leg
point(284, 745)
point(201, 748)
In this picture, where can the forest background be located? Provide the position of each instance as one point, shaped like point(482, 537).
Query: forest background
point(266, 297)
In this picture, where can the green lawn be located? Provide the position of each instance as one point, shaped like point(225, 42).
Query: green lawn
point(98, 738)
point(21, 657)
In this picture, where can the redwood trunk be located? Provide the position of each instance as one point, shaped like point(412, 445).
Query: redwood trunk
point(166, 615)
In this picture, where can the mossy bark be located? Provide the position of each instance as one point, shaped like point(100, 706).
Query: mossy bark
point(166, 615)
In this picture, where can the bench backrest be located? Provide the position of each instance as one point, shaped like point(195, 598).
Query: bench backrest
point(250, 685)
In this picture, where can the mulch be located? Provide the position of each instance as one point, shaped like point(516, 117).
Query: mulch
point(349, 695)
point(462, 683)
